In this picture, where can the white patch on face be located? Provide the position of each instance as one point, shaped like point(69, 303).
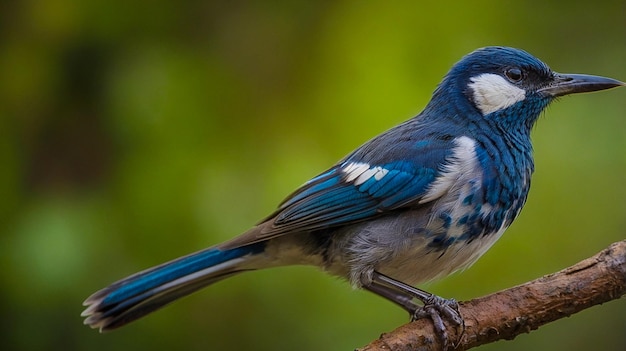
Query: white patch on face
point(459, 170)
point(492, 93)
point(359, 173)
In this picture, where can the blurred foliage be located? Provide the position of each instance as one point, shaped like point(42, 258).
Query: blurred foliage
point(135, 132)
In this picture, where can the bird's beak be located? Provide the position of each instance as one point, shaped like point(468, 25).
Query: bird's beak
point(564, 84)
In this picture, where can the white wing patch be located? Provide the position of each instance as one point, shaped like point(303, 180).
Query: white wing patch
point(358, 172)
point(492, 93)
point(459, 170)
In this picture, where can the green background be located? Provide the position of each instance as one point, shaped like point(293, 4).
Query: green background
point(133, 132)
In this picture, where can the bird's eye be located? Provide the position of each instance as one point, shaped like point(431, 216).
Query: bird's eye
point(514, 74)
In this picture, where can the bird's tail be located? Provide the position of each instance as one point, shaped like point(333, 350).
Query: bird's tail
point(133, 297)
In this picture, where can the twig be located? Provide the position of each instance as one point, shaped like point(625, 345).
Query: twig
point(521, 309)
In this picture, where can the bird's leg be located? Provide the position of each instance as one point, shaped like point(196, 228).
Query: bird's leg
point(403, 300)
point(433, 306)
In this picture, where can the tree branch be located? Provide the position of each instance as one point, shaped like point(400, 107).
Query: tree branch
point(521, 309)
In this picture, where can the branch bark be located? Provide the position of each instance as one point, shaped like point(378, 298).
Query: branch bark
point(521, 309)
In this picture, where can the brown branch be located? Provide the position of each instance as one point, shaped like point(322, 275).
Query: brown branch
point(521, 309)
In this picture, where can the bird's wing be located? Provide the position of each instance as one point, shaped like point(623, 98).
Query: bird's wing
point(360, 187)
point(351, 192)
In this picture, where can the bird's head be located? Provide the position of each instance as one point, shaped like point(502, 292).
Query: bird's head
point(510, 86)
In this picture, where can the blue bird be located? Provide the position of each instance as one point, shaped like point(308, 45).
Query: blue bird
point(420, 201)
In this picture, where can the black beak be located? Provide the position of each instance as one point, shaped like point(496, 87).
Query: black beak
point(564, 84)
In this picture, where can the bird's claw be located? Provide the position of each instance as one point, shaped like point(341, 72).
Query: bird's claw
point(435, 308)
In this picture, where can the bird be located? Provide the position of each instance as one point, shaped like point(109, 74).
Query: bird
point(418, 202)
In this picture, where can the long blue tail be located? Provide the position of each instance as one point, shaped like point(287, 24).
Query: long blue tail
point(137, 295)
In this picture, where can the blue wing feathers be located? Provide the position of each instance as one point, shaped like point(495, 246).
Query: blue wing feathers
point(325, 205)
point(412, 191)
point(338, 198)
point(392, 171)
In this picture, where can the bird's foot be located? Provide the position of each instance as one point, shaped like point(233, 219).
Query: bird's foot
point(437, 309)
point(432, 306)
